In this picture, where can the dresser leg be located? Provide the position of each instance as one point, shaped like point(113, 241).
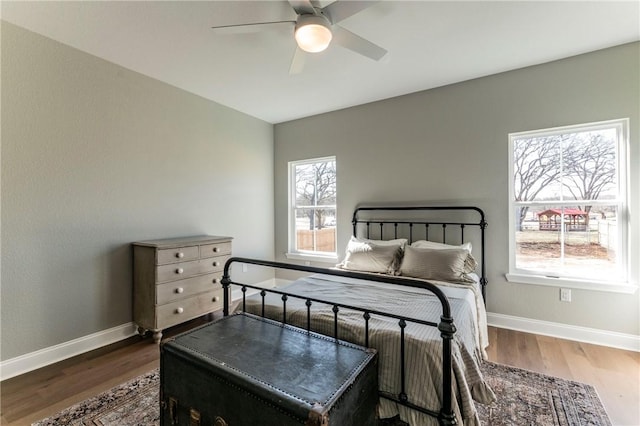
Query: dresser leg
point(157, 336)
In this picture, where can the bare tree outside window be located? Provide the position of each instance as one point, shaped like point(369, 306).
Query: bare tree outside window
point(590, 164)
point(314, 206)
point(567, 201)
point(536, 162)
point(316, 186)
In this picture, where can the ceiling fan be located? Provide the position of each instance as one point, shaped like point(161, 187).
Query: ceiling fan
point(315, 28)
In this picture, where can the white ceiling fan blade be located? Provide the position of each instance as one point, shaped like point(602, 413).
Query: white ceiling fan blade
point(339, 10)
point(250, 28)
point(297, 63)
point(351, 41)
point(302, 7)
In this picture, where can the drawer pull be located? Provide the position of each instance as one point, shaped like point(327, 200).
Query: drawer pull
point(179, 255)
point(179, 310)
point(194, 417)
point(179, 290)
point(216, 249)
point(215, 299)
point(216, 281)
point(173, 410)
point(216, 263)
point(179, 271)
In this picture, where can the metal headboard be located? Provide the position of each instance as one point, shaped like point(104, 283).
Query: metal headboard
point(366, 218)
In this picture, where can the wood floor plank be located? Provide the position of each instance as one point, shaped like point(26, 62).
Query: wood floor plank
point(529, 351)
point(492, 352)
point(554, 361)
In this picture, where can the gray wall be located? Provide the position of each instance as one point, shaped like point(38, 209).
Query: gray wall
point(450, 145)
point(95, 156)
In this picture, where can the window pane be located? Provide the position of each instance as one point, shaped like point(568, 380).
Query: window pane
point(326, 183)
point(589, 165)
point(315, 230)
point(536, 168)
point(315, 184)
point(304, 181)
point(568, 241)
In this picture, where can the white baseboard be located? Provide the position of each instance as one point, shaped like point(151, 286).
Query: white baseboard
point(595, 336)
point(43, 357)
point(34, 360)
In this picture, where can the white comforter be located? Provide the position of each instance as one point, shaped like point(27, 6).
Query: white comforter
point(423, 344)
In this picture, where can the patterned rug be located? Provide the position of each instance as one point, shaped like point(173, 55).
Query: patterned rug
point(524, 398)
point(529, 398)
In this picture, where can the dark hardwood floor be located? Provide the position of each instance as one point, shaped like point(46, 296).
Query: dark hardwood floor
point(614, 373)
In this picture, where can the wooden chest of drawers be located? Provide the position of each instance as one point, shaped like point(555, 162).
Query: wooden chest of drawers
point(178, 279)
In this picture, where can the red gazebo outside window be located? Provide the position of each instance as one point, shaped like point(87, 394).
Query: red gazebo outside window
point(574, 219)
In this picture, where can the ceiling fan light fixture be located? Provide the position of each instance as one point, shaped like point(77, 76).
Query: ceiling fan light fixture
point(313, 33)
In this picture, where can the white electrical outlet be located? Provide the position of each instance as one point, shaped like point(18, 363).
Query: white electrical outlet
point(565, 295)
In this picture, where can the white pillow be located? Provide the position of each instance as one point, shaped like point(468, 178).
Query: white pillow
point(435, 264)
point(373, 256)
point(470, 262)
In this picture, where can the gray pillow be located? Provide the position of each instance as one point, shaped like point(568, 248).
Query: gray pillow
point(435, 264)
point(367, 256)
point(470, 262)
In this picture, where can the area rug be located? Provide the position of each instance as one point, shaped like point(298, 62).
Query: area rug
point(529, 398)
point(524, 398)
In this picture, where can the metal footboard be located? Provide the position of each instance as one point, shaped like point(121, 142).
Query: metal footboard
point(446, 325)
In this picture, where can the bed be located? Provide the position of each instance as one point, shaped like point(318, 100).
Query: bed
point(412, 285)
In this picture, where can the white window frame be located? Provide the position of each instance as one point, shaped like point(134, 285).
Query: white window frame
point(622, 203)
point(293, 253)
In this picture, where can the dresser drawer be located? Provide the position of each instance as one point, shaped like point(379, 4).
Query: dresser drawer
point(175, 290)
point(186, 309)
point(216, 249)
point(178, 271)
point(179, 254)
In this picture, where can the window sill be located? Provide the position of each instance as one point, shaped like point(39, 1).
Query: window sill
point(313, 257)
point(609, 287)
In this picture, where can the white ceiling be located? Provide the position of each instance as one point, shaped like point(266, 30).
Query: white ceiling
point(431, 43)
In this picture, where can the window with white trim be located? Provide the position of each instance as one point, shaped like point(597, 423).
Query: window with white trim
point(312, 208)
point(568, 206)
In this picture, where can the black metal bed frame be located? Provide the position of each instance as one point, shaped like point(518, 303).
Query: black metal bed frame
point(446, 325)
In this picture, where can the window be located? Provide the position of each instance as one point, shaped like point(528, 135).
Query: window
point(568, 215)
point(312, 215)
